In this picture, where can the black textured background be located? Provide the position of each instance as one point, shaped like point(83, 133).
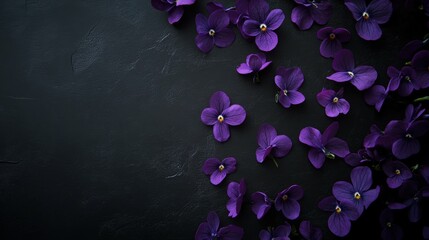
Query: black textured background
point(100, 104)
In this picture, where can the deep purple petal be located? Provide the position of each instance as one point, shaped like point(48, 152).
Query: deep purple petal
point(404, 148)
point(342, 34)
point(308, 232)
point(224, 38)
point(284, 100)
point(175, 14)
point(266, 41)
point(254, 61)
point(243, 68)
point(258, 9)
point(202, 24)
point(290, 208)
point(211, 165)
point(234, 115)
point(218, 20)
point(370, 196)
point(266, 135)
point(338, 147)
point(184, 2)
point(343, 61)
point(324, 33)
point(368, 29)
point(203, 232)
point(229, 164)
point(301, 16)
point(282, 144)
point(231, 232)
point(343, 191)
point(262, 153)
point(161, 5)
point(282, 232)
point(213, 221)
point(356, 7)
point(289, 78)
point(274, 19)
point(364, 77)
point(251, 28)
point(204, 42)
point(322, 13)
point(339, 224)
point(311, 137)
point(209, 116)
point(361, 178)
point(295, 97)
point(329, 47)
point(330, 132)
point(340, 77)
point(217, 177)
point(316, 157)
point(219, 101)
point(325, 97)
point(221, 132)
point(295, 192)
point(380, 10)
point(260, 204)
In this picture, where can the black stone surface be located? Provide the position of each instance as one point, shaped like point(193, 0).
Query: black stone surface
point(100, 104)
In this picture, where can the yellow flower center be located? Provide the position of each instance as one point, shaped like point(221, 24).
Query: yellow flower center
point(332, 36)
point(220, 118)
point(285, 197)
point(357, 195)
point(337, 209)
point(221, 167)
point(212, 32)
point(335, 100)
point(397, 171)
point(365, 15)
point(263, 27)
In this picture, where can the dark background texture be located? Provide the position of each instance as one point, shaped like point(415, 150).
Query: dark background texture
point(100, 104)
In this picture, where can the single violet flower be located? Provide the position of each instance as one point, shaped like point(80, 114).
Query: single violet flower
point(287, 201)
point(309, 11)
point(405, 80)
point(362, 77)
point(376, 95)
point(261, 204)
point(289, 80)
point(342, 214)
point(218, 170)
point(213, 31)
point(323, 145)
point(255, 63)
point(210, 230)
point(261, 24)
point(390, 230)
point(281, 232)
point(221, 114)
point(174, 8)
point(396, 173)
point(420, 63)
point(309, 232)
point(358, 191)
point(271, 144)
point(333, 102)
point(235, 193)
point(369, 17)
point(332, 39)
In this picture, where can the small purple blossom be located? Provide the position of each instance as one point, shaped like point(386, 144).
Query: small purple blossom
point(235, 192)
point(405, 80)
point(396, 173)
point(369, 17)
point(376, 95)
point(271, 143)
point(332, 39)
point(358, 191)
point(279, 233)
point(255, 63)
point(174, 8)
point(210, 230)
point(323, 145)
point(309, 232)
point(213, 31)
point(309, 11)
point(218, 170)
point(368, 155)
point(289, 80)
point(261, 204)
point(221, 114)
point(420, 63)
point(333, 102)
point(362, 77)
point(390, 230)
point(261, 24)
point(287, 201)
point(342, 213)
point(232, 12)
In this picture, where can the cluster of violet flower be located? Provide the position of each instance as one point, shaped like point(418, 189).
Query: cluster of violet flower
point(384, 152)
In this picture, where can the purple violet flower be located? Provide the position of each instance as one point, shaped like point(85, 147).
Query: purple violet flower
point(420, 63)
point(390, 230)
point(323, 145)
point(370, 140)
point(279, 233)
point(369, 17)
point(333, 102)
point(371, 155)
point(358, 191)
point(255, 63)
point(309, 11)
point(309, 232)
point(261, 24)
point(172, 7)
point(376, 95)
point(261, 204)
point(396, 173)
point(271, 143)
point(342, 213)
point(287, 201)
point(332, 38)
point(235, 193)
point(231, 11)
point(221, 114)
point(210, 230)
point(213, 31)
point(404, 81)
point(218, 170)
point(362, 77)
point(289, 80)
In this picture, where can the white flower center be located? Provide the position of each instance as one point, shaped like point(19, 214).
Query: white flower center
point(212, 32)
point(263, 27)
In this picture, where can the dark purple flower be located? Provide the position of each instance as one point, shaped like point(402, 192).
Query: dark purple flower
point(376, 95)
point(333, 102)
point(370, 140)
point(271, 143)
point(309, 11)
point(420, 63)
point(396, 173)
point(213, 31)
point(390, 230)
point(279, 233)
point(235, 193)
point(358, 191)
point(413, 113)
point(172, 7)
point(342, 213)
point(261, 24)
point(332, 38)
point(254, 63)
point(362, 77)
point(261, 204)
point(368, 155)
point(218, 170)
point(425, 232)
point(289, 80)
point(221, 114)
point(287, 201)
point(405, 81)
point(210, 230)
point(232, 11)
point(309, 232)
point(323, 145)
point(369, 17)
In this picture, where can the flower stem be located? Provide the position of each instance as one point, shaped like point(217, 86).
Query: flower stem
point(426, 98)
point(256, 78)
point(275, 162)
